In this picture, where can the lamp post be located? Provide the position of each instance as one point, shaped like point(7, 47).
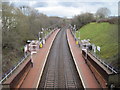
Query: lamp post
point(75, 29)
point(45, 33)
point(79, 35)
point(75, 32)
point(39, 36)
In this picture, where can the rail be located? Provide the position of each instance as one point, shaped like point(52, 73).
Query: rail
point(105, 64)
point(112, 69)
point(6, 75)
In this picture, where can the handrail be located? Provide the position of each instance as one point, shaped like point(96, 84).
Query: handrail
point(105, 64)
point(13, 69)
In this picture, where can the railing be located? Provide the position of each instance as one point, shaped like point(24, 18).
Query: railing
point(112, 69)
point(6, 75)
point(105, 64)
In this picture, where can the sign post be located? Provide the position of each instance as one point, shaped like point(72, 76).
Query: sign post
point(25, 50)
point(43, 41)
point(94, 48)
point(98, 48)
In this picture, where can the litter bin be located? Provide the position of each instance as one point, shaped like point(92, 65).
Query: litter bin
point(77, 42)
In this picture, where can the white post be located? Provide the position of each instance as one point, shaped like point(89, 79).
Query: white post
point(86, 53)
point(25, 50)
point(79, 35)
point(42, 35)
point(45, 33)
point(43, 41)
point(75, 30)
point(38, 36)
point(31, 55)
point(31, 58)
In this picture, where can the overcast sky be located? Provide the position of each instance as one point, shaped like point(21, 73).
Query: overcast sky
point(69, 8)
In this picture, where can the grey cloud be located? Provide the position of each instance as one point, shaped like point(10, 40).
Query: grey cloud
point(69, 4)
point(79, 4)
point(40, 4)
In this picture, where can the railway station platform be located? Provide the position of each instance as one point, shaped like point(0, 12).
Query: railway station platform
point(87, 77)
point(31, 79)
point(39, 59)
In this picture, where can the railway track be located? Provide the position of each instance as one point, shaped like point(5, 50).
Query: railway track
point(60, 70)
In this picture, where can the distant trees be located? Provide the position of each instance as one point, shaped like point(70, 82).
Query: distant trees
point(19, 25)
point(82, 19)
point(101, 15)
point(103, 12)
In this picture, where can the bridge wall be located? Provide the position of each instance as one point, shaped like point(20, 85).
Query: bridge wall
point(99, 73)
point(16, 80)
point(21, 75)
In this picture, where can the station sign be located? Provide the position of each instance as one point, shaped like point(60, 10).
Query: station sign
point(98, 48)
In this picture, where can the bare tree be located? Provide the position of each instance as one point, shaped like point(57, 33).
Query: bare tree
point(103, 12)
point(82, 19)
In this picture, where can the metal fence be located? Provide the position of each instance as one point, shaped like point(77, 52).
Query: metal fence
point(112, 69)
point(10, 71)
